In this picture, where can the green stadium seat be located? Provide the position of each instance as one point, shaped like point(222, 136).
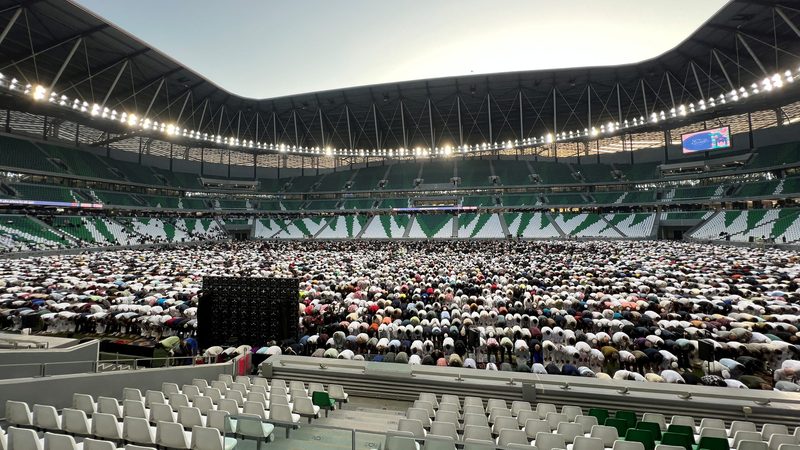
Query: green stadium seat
point(713, 443)
point(679, 439)
point(620, 424)
point(600, 413)
point(324, 401)
point(652, 427)
point(643, 436)
point(628, 416)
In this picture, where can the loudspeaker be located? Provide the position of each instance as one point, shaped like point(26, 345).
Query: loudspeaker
point(235, 311)
point(705, 350)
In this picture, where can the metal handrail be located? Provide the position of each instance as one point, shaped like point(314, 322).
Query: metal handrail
point(16, 342)
point(133, 363)
point(543, 381)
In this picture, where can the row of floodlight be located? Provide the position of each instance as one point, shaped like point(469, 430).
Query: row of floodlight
point(40, 93)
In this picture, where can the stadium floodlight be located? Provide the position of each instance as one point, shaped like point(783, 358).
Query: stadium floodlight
point(39, 92)
point(14, 84)
point(549, 138)
point(777, 81)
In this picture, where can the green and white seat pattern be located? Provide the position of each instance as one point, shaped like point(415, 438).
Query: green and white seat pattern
point(480, 226)
point(531, 225)
point(431, 226)
point(21, 233)
point(343, 227)
point(632, 225)
point(782, 225)
point(301, 228)
point(585, 225)
point(266, 228)
point(385, 227)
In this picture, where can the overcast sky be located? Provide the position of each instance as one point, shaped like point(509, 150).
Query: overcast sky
point(262, 49)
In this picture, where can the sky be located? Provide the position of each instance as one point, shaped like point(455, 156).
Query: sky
point(265, 49)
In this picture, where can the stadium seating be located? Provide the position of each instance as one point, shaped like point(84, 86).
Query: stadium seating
point(134, 172)
point(301, 228)
point(343, 227)
point(24, 154)
point(334, 181)
point(116, 198)
point(437, 171)
point(686, 215)
point(269, 205)
point(521, 200)
point(757, 189)
point(639, 171)
point(46, 193)
point(358, 204)
point(303, 184)
point(367, 178)
point(431, 226)
point(608, 198)
point(474, 172)
point(554, 173)
point(536, 225)
point(22, 233)
point(484, 200)
point(480, 226)
point(385, 227)
point(402, 175)
point(775, 155)
point(322, 205)
point(595, 173)
point(585, 225)
point(632, 225)
point(80, 162)
point(780, 225)
point(512, 173)
point(565, 199)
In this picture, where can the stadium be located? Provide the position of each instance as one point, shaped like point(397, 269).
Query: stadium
point(583, 258)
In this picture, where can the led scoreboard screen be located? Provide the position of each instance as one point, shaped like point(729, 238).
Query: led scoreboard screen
point(707, 140)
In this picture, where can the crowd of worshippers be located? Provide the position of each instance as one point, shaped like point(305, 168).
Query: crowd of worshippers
point(627, 310)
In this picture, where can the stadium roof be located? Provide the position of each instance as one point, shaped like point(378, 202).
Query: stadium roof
point(68, 50)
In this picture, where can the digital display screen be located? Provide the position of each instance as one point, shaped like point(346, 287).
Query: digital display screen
point(706, 140)
point(11, 201)
point(436, 208)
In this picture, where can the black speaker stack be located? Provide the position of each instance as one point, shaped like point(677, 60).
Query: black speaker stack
point(236, 311)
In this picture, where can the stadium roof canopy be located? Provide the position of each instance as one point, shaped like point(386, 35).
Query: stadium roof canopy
point(69, 51)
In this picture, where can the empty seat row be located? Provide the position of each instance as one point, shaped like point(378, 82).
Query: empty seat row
point(164, 435)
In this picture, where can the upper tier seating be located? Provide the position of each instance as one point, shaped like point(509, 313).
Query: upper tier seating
point(595, 173)
point(46, 193)
point(554, 173)
point(775, 155)
point(474, 172)
point(303, 184)
point(402, 175)
point(334, 181)
point(512, 173)
point(639, 171)
point(24, 154)
point(436, 171)
point(80, 162)
point(367, 178)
